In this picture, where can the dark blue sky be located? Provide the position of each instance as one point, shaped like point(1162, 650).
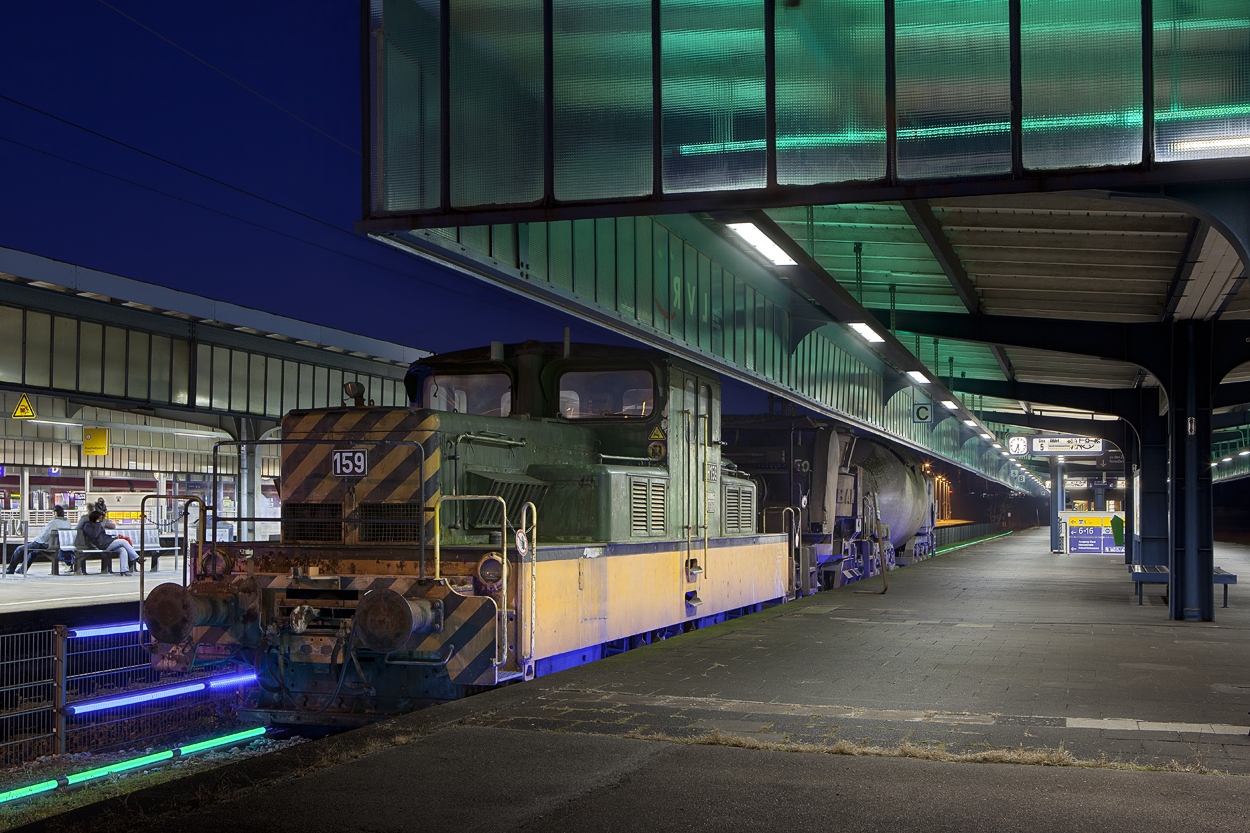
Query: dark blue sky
point(293, 138)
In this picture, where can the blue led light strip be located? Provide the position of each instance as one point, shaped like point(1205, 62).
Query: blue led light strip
point(89, 706)
point(131, 763)
point(105, 630)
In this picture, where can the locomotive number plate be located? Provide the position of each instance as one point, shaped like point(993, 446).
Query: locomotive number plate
point(350, 462)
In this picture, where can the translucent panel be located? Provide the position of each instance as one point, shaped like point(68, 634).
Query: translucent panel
point(221, 379)
point(137, 366)
point(496, 102)
point(1080, 66)
point(830, 91)
point(625, 266)
point(503, 244)
point(475, 238)
point(273, 387)
point(953, 66)
point(114, 361)
point(334, 388)
point(90, 354)
point(10, 345)
point(180, 376)
point(159, 378)
point(321, 380)
point(256, 384)
point(602, 107)
point(64, 353)
point(560, 254)
point(584, 258)
point(238, 381)
point(605, 262)
point(306, 386)
point(1202, 79)
point(38, 349)
point(410, 106)
point(713, 95)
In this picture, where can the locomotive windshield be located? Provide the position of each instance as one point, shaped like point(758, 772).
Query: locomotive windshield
point(483, 394)
point(607, 393)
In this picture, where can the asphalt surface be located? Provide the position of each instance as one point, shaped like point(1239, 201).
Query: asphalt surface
point(995, 648)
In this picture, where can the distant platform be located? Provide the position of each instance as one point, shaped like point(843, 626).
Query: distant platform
point(43, 591)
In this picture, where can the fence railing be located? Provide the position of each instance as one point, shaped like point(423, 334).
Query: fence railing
point(945, 536)
point(65, 690)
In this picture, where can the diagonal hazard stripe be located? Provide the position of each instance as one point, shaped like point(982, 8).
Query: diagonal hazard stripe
point(301, 480)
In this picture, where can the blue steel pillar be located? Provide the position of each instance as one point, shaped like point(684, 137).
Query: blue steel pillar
point(1057, 501)
point(1100, 500)
point(1155, 534)
point(1130, 463)
point(1191, 594)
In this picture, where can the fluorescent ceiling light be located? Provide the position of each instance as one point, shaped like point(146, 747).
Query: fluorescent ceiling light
point(1225, 143)
point(762, 243)
point(1214, 465)
point(950, 404)
point(1227, 460)
point(1004, 453)
point(997, 445)
point(971, 423)
point(55, 422)
point(987, 436)
point(203, 435)
point(866, 332)
point(918, 377)
point(1244, 453)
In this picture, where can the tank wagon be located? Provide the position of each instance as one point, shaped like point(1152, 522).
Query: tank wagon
point(855, 502)
point(536, 507)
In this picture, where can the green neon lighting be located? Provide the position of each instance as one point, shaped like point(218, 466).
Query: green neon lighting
point(192, 748)
point(970, 543)
point(120, 766)
point(23, 792)
point(1128, 119)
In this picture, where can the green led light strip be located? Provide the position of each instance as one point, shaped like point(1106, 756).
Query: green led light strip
point(133, 763)
point(1131, 118)
point(970, 543)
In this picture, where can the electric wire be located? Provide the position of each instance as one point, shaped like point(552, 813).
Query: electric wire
point(230, 78)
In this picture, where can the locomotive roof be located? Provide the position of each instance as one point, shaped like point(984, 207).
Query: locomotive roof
point(551, 351)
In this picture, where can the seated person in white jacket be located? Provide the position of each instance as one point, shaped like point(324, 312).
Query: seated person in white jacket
point(46, 539)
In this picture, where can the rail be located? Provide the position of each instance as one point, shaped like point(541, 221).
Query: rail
point(501, 616)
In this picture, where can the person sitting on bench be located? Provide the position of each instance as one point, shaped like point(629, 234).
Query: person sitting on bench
point(96, 538)
point(43, 540)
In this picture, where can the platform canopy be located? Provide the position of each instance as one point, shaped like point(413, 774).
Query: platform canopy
point(1081, 163)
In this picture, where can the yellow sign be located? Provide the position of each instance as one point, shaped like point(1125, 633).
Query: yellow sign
point(95, 442)
point(657, 433)
point(24, 409)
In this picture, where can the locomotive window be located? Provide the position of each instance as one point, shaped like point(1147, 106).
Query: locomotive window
point(484, 394)
point(607, 393)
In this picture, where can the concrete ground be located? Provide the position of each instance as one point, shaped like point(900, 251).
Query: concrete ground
point(982, 651)
point(42, 591)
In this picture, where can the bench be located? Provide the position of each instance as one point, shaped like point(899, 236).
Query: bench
point(66, 539)
point(1158, 574)
point(152, 546)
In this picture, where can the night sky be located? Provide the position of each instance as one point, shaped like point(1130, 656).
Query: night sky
point(242, 178)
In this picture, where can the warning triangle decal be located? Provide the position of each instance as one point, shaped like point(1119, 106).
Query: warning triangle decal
point(656, 433)
point(23, 409)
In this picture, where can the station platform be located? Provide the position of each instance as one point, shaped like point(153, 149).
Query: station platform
point(42, 599)
point(999, 651)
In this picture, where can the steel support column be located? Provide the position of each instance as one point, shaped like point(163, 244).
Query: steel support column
point(1057, 502)
point(1130, 502)
point(1191, 594)
point(1155, 534)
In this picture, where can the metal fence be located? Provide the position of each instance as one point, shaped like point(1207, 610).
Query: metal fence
point(945, 536)
point(94, 689)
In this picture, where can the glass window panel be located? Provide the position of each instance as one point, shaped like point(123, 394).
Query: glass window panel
point(38, 349)
point(476, 238)
point(203, 376)
point(717, 310)
point(160, 369)
point(602, 105)
point(625, 268)
point(1202, 79)
point(953, 67)
point(690, 293)
point(64, 353)
point(321, 383)
point(273, 387)
point(137, 366)
point(221, 378)
point(114, 361)
point(290, 386)
point(503, 244)
point(256, 384)
point(1080, 66)
point(11, 345)
point(560, 254)
point(739, 322)
point(238, 380)
point(644, 262)
point(605, 262)
point(410, 106)
point(334, 388)
point(713, 96)
point(496, 102)
point(584, 258)
point(180, 381)
point(306, 386)
point(660, 282)
point(830, 91)
point(748, 328)
point(705, 301)
point(536, 236)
